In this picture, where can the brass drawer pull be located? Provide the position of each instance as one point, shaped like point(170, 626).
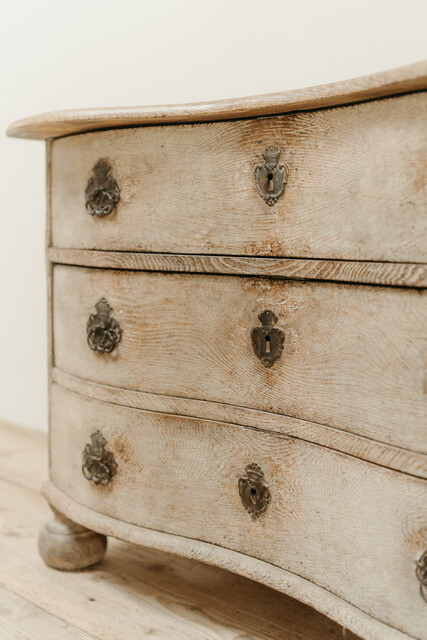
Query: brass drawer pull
point(103, 331)
point(99, 465)
point(102, 191)
point(421, 572)
point(271, 177)
point(254, 492)
point(268, 340)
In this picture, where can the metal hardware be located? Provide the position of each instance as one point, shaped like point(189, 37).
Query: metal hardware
point(268, 340)
point(103, 331)
point(271, 177)
point(254, 492)
point(99, 465)
point(102, 191)
point(421, 572)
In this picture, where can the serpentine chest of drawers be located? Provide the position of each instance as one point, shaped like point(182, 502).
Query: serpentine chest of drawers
point(238, 353)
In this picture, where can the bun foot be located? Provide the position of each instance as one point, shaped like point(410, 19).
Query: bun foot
point(65, 545)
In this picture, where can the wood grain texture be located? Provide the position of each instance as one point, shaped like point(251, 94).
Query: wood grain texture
point(390, 274)
point(327, 522)
point(354, 356)
point(279, 579)
point(52, 125)
point(384, 455)
point(20, 619)
point(49, 264)
point(68, 546)
point(135, 593)
point(356, 188)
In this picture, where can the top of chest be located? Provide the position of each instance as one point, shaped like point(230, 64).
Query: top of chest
point(273, 176)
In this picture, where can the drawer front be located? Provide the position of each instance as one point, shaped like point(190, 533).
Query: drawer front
point(319, 514)
point(355, 186)
point(347, 356)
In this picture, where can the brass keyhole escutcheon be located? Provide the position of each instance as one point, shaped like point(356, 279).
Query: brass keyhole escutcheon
point(271, 177)
point(268, 340)
point(254, 491)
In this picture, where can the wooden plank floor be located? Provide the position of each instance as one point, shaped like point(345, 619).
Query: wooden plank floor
point(134, 593)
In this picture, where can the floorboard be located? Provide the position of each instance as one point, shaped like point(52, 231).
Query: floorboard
point(20, 619)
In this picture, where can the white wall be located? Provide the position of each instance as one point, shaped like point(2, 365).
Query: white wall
point(85, 53)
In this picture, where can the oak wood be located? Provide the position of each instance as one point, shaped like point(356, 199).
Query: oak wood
point(353, 359)
point(355, 191)
point(327, 521)
point(279, 579)
point(48, 244)
point(51, 125)
point(390, 274)
point(135, 593)
point(364, 448)
point(68, 546)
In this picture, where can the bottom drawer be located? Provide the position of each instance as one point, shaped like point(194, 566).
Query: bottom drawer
point(352, 527)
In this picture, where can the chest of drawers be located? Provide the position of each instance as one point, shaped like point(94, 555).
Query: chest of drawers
point(238, 354)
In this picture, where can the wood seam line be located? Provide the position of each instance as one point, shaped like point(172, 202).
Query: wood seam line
point(261, 430)
point(256, 266)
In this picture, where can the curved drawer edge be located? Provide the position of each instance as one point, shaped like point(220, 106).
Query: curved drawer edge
point(382, 454)
point(274, 577)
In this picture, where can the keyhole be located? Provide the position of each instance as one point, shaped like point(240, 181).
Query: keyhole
point(270, 182)
point(253, 495)
point(267, 344)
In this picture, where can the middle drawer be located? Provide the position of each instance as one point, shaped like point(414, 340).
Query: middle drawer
point(347, 356)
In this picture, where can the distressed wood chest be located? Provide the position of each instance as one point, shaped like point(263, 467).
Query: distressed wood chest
point(238, 340)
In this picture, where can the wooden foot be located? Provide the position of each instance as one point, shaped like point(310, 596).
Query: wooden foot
point(65, 545)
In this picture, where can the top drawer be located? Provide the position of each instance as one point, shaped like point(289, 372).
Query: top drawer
point(355, 189)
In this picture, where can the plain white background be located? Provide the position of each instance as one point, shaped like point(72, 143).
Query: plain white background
point(58, 55)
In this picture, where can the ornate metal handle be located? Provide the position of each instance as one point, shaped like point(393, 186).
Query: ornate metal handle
point(102, 191)
point(421, 572)
point(103, 331)
point(254, 492)
point(267, 340)
point(99, 465)
point(271, 177)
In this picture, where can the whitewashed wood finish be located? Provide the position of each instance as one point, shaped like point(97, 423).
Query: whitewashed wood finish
point(354, 356)
point(390, 273)
point(353, 211)
point(352, 528)
point(385, 455)
point(135, 593)
point(279, 579)
point(356, 188)
point(68, 546)
point(60, 123)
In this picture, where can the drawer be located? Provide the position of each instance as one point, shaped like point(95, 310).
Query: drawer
point(347, 356)
point(356, 186)
point(318, 514)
